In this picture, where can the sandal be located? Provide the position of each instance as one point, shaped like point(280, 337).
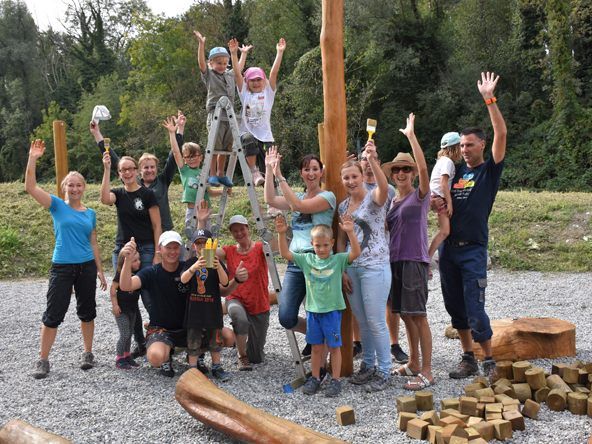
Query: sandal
point(420, 383)
point(404, 370)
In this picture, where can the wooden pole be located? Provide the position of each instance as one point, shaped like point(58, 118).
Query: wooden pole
point(61, 153)
point(334, 131)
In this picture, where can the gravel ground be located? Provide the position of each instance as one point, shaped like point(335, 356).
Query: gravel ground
point(109, 405)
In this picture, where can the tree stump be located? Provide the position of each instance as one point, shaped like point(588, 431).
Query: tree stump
point(530, 338)
point(20, 432)
point(557, 400)
point(519, 369)
point(536, 378)
point(576, 403)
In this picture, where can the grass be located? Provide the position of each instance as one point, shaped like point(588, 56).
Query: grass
point(528, 231)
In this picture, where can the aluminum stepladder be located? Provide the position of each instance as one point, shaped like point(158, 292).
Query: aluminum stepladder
point(266, 236)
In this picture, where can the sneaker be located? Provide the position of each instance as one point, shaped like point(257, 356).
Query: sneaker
point(311, 386)
point(244, 365)
point(166, 369)
point(41, 369)
point(488, 369)
point(213, 181)
point(139, 350)
point(225, 180)
point(132, 361)
point(467, 367)
point(378, 383)
point(122, 363)
point(363, 375)
point(201, 364)
point(307, 350)
point(87, 361)
point(333, 389)
point(357, 348)
point(273, 212)
point(258, 178)
point(219, 373)
point(398, 353)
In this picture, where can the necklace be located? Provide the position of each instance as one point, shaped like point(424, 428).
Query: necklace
point(244, 250)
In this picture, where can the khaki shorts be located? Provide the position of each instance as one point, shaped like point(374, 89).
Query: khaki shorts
point(223, 137)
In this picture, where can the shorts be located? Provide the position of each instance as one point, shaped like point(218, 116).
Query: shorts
point(224, 137)
point(253, 146)
point(172, 338)
point(203, 339)
point(324, 328)
point(409, 288)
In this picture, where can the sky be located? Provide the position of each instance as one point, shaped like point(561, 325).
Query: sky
point(51, 12)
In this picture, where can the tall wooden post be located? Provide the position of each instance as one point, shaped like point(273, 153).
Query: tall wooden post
point(334, 130)
point(61, 153)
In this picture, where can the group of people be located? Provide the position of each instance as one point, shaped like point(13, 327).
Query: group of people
point(381, 264)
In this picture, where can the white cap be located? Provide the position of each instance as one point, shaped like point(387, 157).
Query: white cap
point(170, 236)
point(238, 219)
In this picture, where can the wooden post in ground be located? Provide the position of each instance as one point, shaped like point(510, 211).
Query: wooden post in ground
point(61, 153)
point(334, 130)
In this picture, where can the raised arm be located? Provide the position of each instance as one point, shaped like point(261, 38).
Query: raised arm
point(190, 272)
point(244, 49)
point(271, 198)
point(275, 69)
point(346, 224)
point(424, 178)
point(380, 193)
point(238, 76)
point(201, 51)
point(35, 152)
point(107, 197)
point(95, 130)
point(169, 124)
point(486, 87)
point(281, 227)
point(127, 282)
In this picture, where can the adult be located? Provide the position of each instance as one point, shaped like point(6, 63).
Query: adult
point(309, 208)
point(463, 256)
point(369, 277)
point(407, 221)
point(169, 298)
point(76, 261)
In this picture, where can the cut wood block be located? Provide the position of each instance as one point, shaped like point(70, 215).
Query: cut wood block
point(458, 440)
point(576, 403)
point(555, 382)
point(485, 429)
point(557, 400)
point(473, 420)
point(468, 405)
point(504, 390)
point(496, 407)
point(484, 393)
point(584, 390)
point(590, 407)
point(470, 389)
point(571, 375)
point(503, 370)
point(490, 416)
point(483, 380)
point(502, 381)
point(345, 415)
point(448, 412)
point(472, 433)
point(557, 369)
point(432, 433)
point(480, 410)
point(531, 409)
point(588, 367)
point(530, 338)
point(464, 418)
point(478, 441)
point(523, 391)
point(453, 430)
point(583, 376)
point(424, 400)
point(501, 398)
point(535, 377)
point(451, 420)
point(417, 429)
point(430, 417)
point(451, 333)
point(502, 429)
point(512, 408)
point(487, 399)
point(519, 369)
point(449, 403)
point(403, 419)
point(515, 418)
point(541, 394)
point(406, 404)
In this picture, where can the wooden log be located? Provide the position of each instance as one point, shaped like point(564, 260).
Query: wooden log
point(576, 403)
point(571, 375)
point(449, 403)
point(582, 390)
point(61, 154)
point(541, 394)
point(502, 382)
point(590, 407)
point(468, 405)
point(403, 419)
point(484, 393)
point(530, 338)
point(519, 369)
point(345, 415)
point(431, 417)
point(417, 429)
point(583, 376)
point(523, 391)
point(531, 409)
point(535, 377)
point(503, 369)
point(458, 440)
point(406, 404)
point(483, 380)
point(555, 382)
point(502, 429)
point(21, 432)
point(432, 433)
point(557, 369)
point(557, 400)
point(507, 390)
point(515, 418)
point(424, 400)
point(223, 412)
point(485, 429)
point(470, 389)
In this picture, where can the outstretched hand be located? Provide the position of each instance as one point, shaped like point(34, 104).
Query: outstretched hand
point(487, 84)
point(233, 46)
point(180, 120)
point(241, 272)
point(409, 130)
point(281, 45)
point(346, 223)
point(169, 124)
point(245, 48)
point(94, 127)
point(280, 224)
point(203, 211)
point(370, 150)
point(129, 249)
point(37, 149)
point(106, 160)
point(200, 38)
point(273, 159)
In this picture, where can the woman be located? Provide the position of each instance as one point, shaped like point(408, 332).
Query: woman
point(309, 208)
point(369, 277)
point(407, 222)
point(76, 261)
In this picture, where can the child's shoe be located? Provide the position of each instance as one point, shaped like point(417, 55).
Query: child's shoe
point(225, 180)
point(201, 364)
point(132, 361)
point(166, 369)
point(258, 178)
point(219, 373)
point(213, 181)
point(122, 363)
point(333, 389)
point(311, 386)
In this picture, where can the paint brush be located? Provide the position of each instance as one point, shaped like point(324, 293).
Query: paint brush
point(107, 143)
point(370, 128)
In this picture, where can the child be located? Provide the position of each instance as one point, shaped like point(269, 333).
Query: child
point(442, 173)
point(324, 298)
point(203, 314)
point(219, 82)
point(256, 95)
point(124, 307)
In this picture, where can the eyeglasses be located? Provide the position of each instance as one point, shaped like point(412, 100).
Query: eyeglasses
point(125, 170)
point(191, 157)
point(405, 169)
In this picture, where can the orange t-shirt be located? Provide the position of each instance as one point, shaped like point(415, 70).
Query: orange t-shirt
point(253, 294)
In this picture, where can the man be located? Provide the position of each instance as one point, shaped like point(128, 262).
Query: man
point(463, 256)
point(169, 295)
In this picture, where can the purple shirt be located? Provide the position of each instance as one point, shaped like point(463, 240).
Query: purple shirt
point(407, 222)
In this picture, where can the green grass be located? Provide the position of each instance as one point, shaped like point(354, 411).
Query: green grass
point(528, 231)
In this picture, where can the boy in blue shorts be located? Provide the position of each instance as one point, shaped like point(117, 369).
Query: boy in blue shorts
point(324, 298)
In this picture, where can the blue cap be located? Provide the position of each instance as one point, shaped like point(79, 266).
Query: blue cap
point(449, 139)
point(217, 52)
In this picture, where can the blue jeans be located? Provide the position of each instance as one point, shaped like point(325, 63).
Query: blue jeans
point(371, 287)
point(463, 276)
point(291, 296)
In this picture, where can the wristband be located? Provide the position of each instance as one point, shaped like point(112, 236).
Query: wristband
point(490, 101)
point(237, 281)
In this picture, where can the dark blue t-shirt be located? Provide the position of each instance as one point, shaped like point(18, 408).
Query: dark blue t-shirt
point(473, 193)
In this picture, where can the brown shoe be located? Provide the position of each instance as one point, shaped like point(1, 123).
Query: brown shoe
point(244, 365)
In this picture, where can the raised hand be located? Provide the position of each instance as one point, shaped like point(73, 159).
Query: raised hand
point(346, 223)
point(106, 160)
point(245, 48)
point(233, 46)
point(37, 149)
point(281, 45)
point(129, 249)
point(94, 128)
point(200, 38)
point(280, 224)
point(203, 211)
point(241, 272)
point(410, 128)
point(181, 120)
point(487, 84)
point(370, 150)
point(169, 124)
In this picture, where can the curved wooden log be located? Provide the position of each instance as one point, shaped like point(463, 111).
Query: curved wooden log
point(21, 432)
point(555, 382)
point(223, 412)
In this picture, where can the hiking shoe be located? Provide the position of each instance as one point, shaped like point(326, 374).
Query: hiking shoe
point(357, 348)
point(213, 181)
point(87, 361)
point(166, 369)
point(201, 364)
point(311, 386)
point(467, 367)
point(258, 178)
point(378, 383)
point(132, 361)
point(244, 365)
point(219, 373)
point(307, 350)
point(488, 369)
point(123, 363)
point(225, 180)
point(398, 353)
point(139, 350)
point(363, 375)
point(41, 369)
point(333, 389)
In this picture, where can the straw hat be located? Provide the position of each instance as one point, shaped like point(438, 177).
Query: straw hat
point(400, 160)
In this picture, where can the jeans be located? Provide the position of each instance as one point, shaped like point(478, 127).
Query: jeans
point(370, 289)
point(291, 296)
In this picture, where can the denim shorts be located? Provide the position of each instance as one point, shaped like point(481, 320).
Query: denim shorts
point(324, 328)
point(172, 338)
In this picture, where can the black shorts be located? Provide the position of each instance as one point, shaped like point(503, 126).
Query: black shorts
point(172, 338)
point(409, 288)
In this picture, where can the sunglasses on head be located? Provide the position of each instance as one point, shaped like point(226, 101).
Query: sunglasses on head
point(405, 169)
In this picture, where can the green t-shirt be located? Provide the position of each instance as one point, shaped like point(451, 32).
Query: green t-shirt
point(323, 281)
point(190, 182)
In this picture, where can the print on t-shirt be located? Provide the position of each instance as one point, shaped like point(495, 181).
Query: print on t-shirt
point(366, 232)
point(464, 186)
point(254, 109)
point(138, 204)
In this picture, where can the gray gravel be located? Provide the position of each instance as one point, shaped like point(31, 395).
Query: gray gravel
point(110, 405)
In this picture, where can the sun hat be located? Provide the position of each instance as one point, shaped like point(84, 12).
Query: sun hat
point(170, 236)
point(450, 139)
point(202, 233)
point(238, 219)
point(218, 51)
point(254, 73)
point(400, 160)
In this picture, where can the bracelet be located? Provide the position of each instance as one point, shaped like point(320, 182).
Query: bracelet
point(283, 179)
point(237, 281)
point(490, 101)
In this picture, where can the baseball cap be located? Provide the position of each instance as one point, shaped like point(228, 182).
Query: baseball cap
point(254, 73)
point(449, 139)
point(238, 219)
point(169, 236)
point(217, 52)
point(202, 233)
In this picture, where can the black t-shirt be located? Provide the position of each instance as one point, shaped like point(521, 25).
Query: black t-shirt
point(473, 193)
point(133, 218)
point(204, 304)
point(167, 295)
point(127, 300)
